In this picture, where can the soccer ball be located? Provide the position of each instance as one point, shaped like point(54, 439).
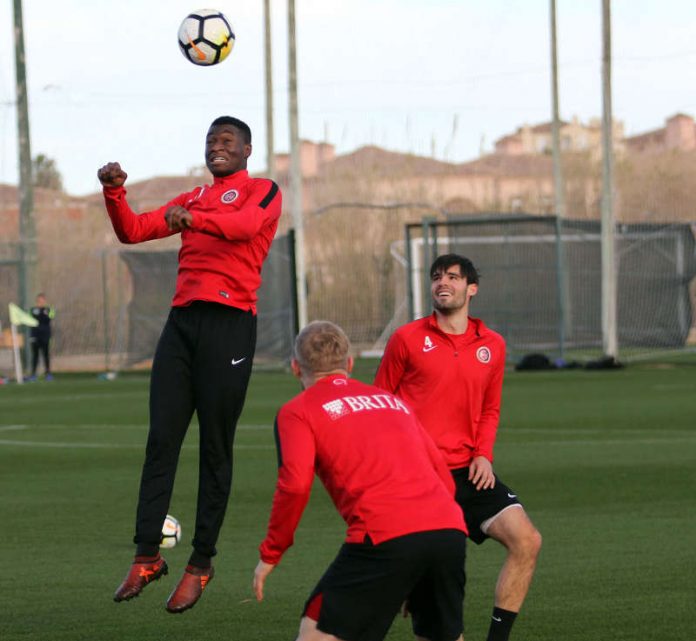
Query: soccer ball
point(171, 532)
point(206, 37)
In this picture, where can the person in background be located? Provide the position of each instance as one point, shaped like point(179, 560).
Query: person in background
point(40, 336)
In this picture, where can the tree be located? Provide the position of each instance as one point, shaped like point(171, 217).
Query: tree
point(45, 173)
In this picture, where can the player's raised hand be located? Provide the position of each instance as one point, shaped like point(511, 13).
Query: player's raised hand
point(260, 574)
point(111, 175)
point(178, 218)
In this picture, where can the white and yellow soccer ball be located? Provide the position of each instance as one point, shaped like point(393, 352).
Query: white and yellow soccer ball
point(206, 37)
point(171, 532)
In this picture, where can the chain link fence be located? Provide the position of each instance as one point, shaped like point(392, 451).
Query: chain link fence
point(541, 282)
point(367, 270)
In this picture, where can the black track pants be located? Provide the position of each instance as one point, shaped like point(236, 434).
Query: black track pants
point(202, 363)
point(39, 345)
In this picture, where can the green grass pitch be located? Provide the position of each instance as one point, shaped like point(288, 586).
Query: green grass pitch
point(604, 461)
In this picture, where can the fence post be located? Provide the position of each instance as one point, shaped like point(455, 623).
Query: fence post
point(429, 255)
point(293, 271)
point(409, 274)
point(105, 310)
point(561, 283)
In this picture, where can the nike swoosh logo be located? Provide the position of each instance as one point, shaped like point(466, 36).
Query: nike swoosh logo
point(512, 496)
point(199, 52)
point(428, 349)
point(498, 619)
point(237, 361)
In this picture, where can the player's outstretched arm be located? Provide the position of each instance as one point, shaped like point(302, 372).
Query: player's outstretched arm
point(111, 175)
point(262, 571)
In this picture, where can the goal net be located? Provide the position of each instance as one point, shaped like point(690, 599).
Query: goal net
point(541, 282)
point(138, 299)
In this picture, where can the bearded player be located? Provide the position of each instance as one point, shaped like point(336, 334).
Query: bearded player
point(449, 368)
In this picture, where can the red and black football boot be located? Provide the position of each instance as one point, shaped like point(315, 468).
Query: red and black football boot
point(190, 588)
point(143, 571)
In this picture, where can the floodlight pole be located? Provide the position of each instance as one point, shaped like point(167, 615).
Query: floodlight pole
point(296, 172)
point(558, 195)
point(270, 146)
point(609, 312)
point(27, 229)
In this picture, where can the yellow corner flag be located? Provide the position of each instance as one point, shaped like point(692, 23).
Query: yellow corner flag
point(19, 317)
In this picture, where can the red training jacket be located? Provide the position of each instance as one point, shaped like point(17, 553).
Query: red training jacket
point(381, 469)
point(453, 382)
point(234, 222)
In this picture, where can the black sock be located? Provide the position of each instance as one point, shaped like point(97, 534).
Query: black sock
point(501, 624)
point(147, 549)
point(199, 560)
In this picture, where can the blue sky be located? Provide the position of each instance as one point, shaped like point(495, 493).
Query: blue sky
point(107, 82)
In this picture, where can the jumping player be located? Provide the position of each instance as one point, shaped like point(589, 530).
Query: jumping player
point(449, 368)
point(204, 355)
point(406, 535)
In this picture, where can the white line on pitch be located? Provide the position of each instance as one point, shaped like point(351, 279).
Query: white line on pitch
point(569, 431)
point(114, 446)
point(107, 426)
point(39, 400)
point(668, 440)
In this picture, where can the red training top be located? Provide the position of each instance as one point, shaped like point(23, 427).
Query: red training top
point(453, 382)
point(234, 222)
point(381, 469)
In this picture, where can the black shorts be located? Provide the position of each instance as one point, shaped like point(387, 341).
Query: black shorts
point(481, 505)
point(364, 587)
